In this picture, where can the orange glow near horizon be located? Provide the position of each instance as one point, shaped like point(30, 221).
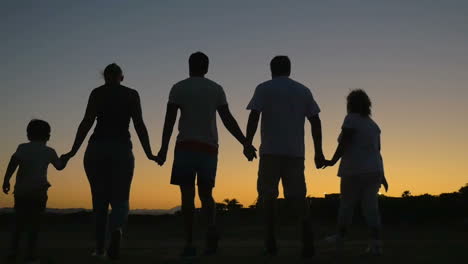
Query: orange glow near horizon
point(237, 178)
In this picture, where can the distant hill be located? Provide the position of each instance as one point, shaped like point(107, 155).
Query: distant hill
point(79, 210)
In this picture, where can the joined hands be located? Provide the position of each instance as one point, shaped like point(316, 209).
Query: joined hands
point(250, 152)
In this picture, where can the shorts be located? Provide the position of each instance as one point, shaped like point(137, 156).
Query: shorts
point(190, 165)
point(31, 204)
point(290, 170)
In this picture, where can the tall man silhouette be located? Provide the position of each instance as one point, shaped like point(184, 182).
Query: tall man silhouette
point(196, 150)
point(284, 104)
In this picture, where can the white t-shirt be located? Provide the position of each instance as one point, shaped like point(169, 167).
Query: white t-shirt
point(363, 154)
point(284, 104)
point(34, 159)
point(198, 99)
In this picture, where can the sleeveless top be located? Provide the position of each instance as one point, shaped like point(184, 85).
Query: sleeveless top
point(114, 108)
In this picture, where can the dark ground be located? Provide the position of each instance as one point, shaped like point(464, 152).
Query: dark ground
point(68, 239)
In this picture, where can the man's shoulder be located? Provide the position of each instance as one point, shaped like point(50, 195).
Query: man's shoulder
point(212, 83)
point(181, 83)
point(266, 83)
point(131, 92)
point(128, 89)
point(24, 145)
point(98, 89)
point(299, 86)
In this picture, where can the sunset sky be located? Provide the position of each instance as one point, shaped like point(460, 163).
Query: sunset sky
point(410, 56)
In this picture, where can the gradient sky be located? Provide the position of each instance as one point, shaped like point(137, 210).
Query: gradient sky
point(410, 56)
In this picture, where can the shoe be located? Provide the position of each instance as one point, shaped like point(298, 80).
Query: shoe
point(189, 251)
point(331, 239)
point(212, 239)
point(375, 248)
point(271, 248)
point(308, 247)
point(32, 260)
point(113, 252)
point(100, 254)
point(338, 241)
point(11, 258)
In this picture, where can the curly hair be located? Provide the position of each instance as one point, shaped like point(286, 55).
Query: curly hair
point(359, 102)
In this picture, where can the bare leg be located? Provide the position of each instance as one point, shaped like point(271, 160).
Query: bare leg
point(270, 211)
point(188, 207)
point(208, 204)
point(33, 234)
point(301, 211)
point(269, 174)
point(209, 214)
point(18, 229)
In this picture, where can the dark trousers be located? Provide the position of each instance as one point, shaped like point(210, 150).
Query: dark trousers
point(28, 213)
point(109, 168)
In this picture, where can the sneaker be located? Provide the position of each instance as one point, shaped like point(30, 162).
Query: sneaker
point(375, 248)
point(113, 252)
point(308, 247)
point(11, 258)
point(331, 239)
point(100, 254)
point(32, 260)
point(338, 241)
point(271, 249)
point(189, 251)
point(212, 239)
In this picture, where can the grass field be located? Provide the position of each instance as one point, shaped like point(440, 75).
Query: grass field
point(159, 240)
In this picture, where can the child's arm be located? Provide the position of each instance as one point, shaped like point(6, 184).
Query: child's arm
point(12, 166)
point(59, 163)
point(346, 136)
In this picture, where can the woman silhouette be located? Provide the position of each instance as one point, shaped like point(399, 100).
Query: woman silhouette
point(109, 160)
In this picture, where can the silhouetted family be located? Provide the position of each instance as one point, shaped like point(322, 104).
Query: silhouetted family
point(283, 106)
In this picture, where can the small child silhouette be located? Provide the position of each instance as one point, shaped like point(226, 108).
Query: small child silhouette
point(32, 160)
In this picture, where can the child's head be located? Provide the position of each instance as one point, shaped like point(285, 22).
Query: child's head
point(38, 130)
point(358, 102)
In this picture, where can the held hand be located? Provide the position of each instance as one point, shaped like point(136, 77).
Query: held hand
point(250, 152)
point(161, 158)
point(6, 187)
point(328, 163)
point(319, 161)
point(65, 158)
point(153, 158)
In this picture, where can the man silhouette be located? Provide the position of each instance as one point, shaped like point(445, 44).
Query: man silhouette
point(284, 104)
point(196, 150)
